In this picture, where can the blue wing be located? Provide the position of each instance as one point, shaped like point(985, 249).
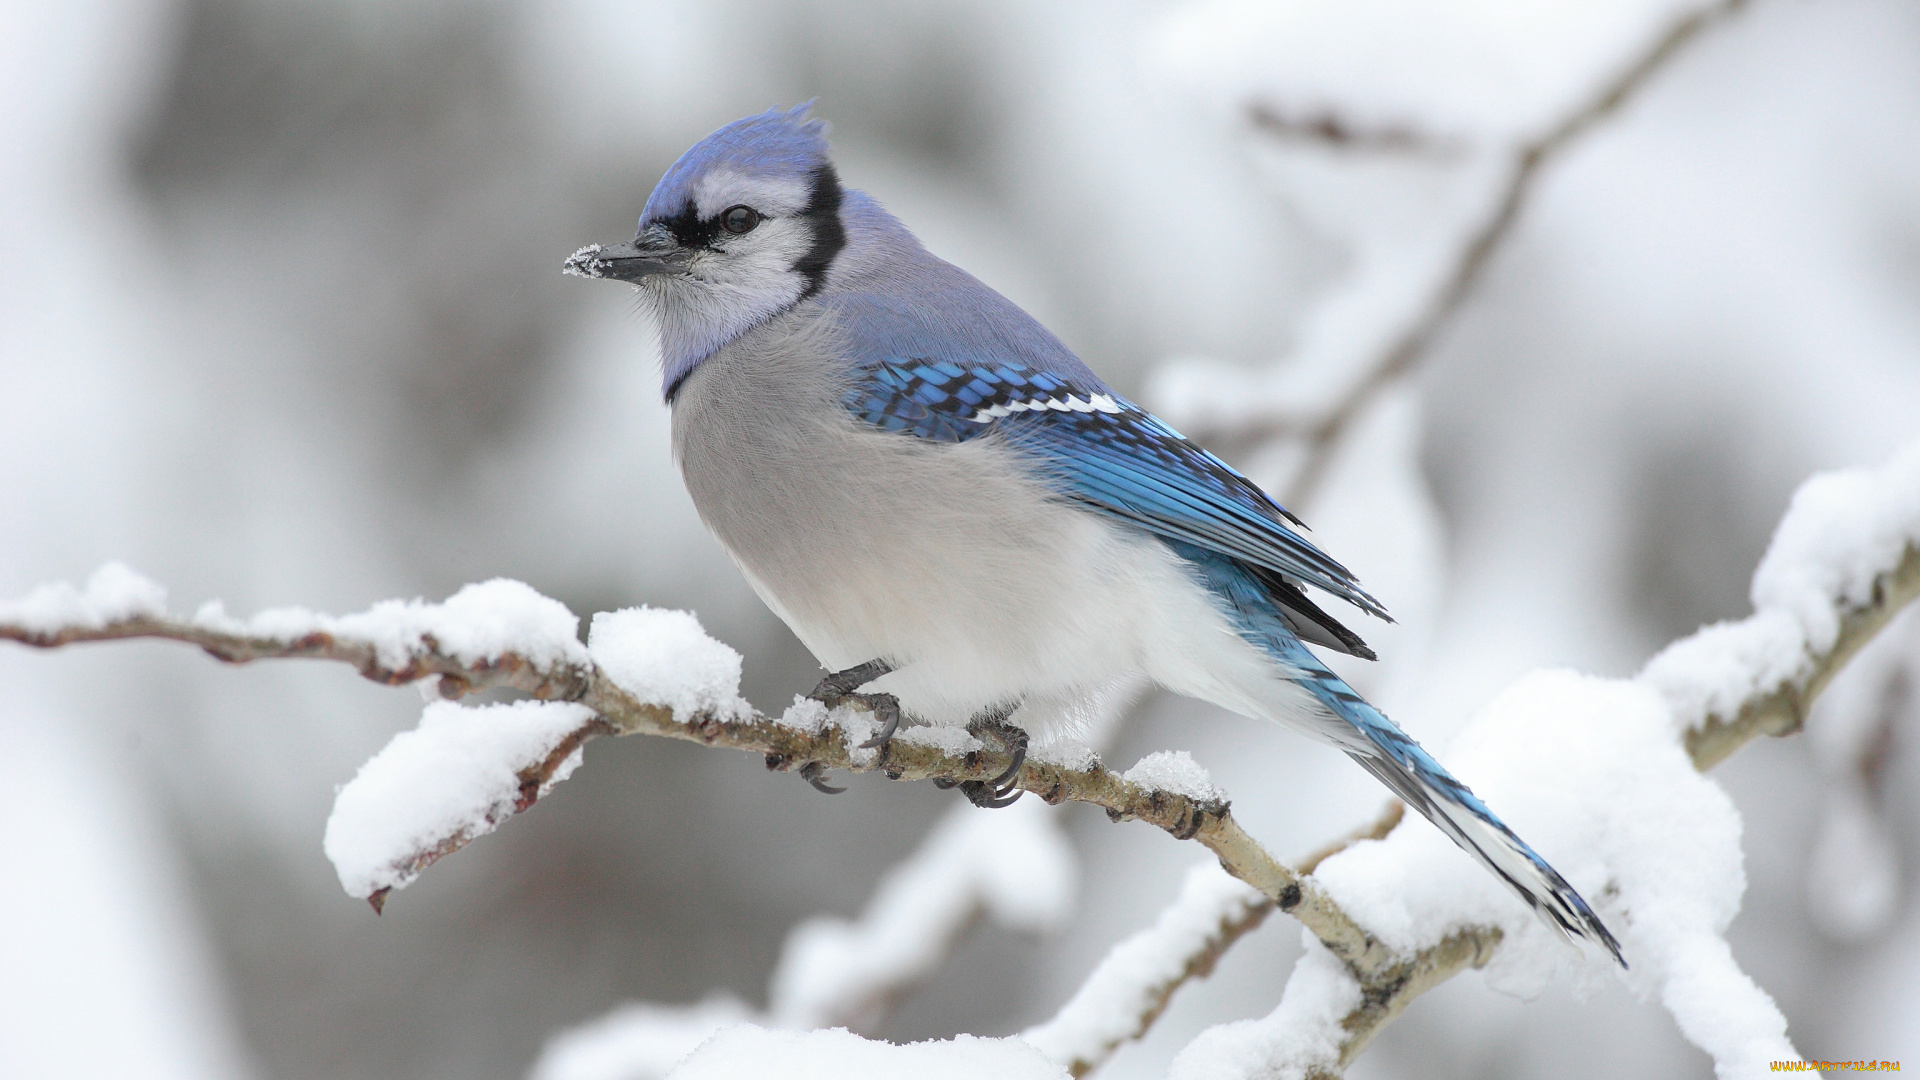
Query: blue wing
point(1105, 452)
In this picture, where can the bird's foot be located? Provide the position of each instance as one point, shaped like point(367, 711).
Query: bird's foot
point(839, 688)
point(1002, 790)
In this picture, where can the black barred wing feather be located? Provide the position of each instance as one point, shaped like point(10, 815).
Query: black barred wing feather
point(1105, 452)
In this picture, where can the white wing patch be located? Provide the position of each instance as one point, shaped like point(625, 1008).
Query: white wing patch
point(1071, 403)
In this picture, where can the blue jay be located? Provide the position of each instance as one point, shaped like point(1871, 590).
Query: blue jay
point(946, 504)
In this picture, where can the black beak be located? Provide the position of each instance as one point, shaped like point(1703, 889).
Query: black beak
point(626, 261)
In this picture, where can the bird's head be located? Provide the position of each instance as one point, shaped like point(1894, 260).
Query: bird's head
point(742, 227)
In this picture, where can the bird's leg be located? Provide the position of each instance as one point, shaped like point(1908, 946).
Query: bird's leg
point(838, 688)
point(839, 684)
point(1002, 790)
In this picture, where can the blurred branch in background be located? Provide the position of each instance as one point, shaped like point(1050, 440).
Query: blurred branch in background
point(1121, 999)
point(1845, 560)
point(1238, 431)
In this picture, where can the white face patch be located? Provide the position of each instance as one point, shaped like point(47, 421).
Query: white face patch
point(742, 281)
point(731, 280)
point(1102, 403)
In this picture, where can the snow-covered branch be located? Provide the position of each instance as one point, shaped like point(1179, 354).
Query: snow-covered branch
point(1121, 999)
point(1390, 919)
point(1843, 562)
point(642, 672)
point(1013, 866)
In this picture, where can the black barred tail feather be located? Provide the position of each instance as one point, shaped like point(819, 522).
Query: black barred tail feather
point(1259, 610)
point(1420, 781)
point(1487, 839)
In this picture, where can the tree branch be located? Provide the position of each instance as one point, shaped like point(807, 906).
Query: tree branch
point(1389, 981)
point(1136, 993)
point(784, 746)
point(1784, 711)
point(1777, 710)
point(509, 670)
point(1321, 434)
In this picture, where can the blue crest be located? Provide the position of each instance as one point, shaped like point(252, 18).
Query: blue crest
point(776, 143)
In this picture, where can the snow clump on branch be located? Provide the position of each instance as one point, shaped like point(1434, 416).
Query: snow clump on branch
point(113, 593)
point(455, 777)
point(665, 657)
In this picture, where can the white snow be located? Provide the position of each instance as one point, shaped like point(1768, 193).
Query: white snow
point(1065, 751)
point(636, 1041)
point(838, 1054)
point(666, 658)
point(112, 593)
point(451, 779)
point(805, 715)
point(1107, 1008)
point(1302, 1033)
point(1011, 864)
point(1176, 772)
point(1841, 531)
point(477, 624)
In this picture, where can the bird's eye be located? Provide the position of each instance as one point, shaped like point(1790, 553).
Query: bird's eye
point(739, 219)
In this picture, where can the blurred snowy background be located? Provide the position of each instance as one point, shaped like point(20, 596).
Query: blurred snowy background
point(281, 322)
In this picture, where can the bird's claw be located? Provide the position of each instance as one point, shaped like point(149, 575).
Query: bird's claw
point(1019, 748)
point(985, 796)
point(815, 773)
point(1002, 790)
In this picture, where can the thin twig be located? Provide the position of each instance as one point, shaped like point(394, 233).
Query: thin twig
point(1784, 711)
point(1329, 129)
point(509, 670)
point(1322, 434)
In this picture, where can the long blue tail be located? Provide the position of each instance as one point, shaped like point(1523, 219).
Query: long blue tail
point(1397, 761)
point(1420, 781)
